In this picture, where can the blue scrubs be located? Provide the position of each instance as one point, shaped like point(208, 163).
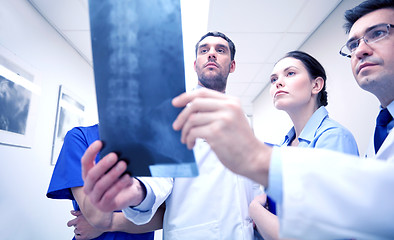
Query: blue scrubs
point(67, 174)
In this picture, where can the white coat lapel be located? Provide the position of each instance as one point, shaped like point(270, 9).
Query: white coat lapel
point(386, 151)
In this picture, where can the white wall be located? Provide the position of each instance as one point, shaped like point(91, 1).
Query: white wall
point(26, 213)
point(348, 104)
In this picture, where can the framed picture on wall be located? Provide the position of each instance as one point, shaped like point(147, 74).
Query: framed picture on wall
point(19, 92)
point(70, 113)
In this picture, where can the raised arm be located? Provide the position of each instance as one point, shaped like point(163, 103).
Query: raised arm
point(105, 183)
point(219, 119)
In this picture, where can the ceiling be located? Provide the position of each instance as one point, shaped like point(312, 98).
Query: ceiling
point(262, 30)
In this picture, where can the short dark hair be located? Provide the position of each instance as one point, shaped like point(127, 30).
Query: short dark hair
point(315, 69)
point(352, 15)
point(222, 35)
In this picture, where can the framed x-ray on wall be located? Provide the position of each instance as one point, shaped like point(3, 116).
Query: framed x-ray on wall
point(70, 113)
point(19, 93)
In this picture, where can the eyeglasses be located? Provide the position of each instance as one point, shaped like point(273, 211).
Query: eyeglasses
point(372, 35)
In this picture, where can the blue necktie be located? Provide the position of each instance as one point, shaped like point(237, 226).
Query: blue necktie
point(383, 119)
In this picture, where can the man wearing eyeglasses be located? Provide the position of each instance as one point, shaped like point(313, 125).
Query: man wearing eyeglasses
point(371, 51)
point(320, 194)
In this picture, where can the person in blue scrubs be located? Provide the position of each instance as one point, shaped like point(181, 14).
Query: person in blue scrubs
point(67, 183)
point(298, 87)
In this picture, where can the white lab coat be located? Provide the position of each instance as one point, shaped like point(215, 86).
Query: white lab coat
point(386, 151)
point(329, 195)
point(213, 205)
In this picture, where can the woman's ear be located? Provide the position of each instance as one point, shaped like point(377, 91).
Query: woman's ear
point(318, 84)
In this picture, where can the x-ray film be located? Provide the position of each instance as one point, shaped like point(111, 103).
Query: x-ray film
point(138, 68)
